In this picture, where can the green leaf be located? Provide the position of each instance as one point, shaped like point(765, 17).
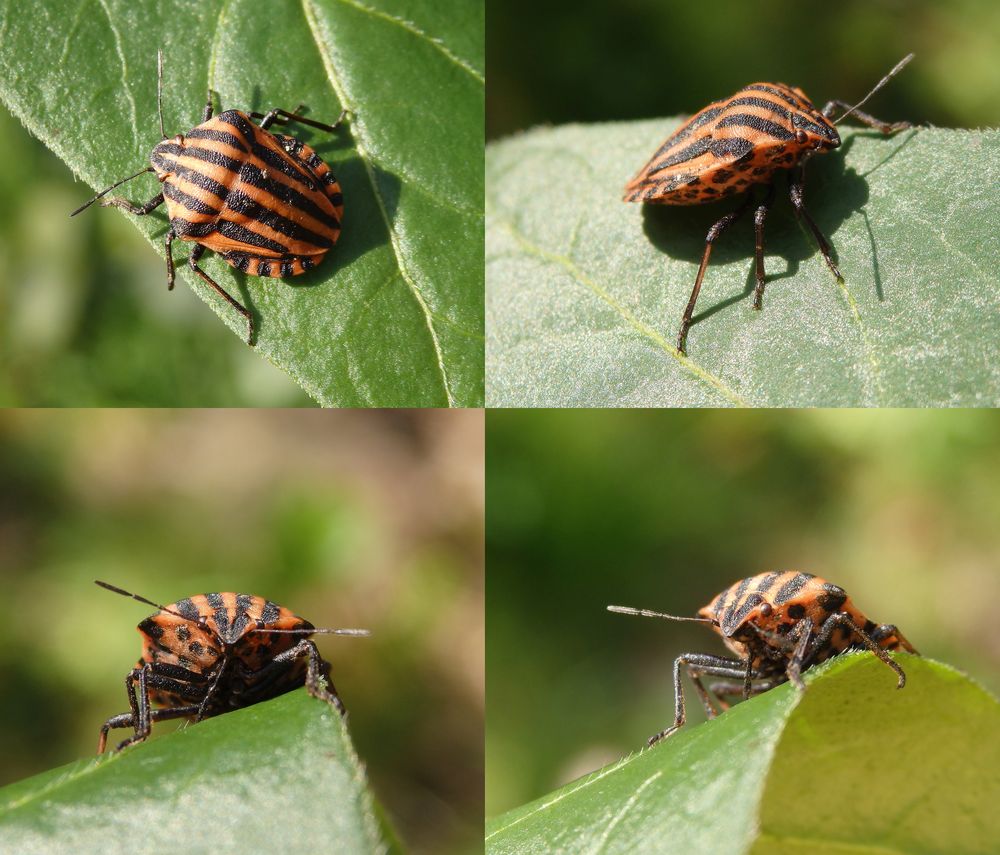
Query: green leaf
point(280, 776)
point(585, 293)
point(393, 316)
point(849, 766)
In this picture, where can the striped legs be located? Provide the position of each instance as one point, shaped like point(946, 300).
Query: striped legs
point(197, 253)
point(713, 234)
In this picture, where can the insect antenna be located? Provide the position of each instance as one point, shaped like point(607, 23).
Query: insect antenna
point(159, 90)
point(879, 85)
point(86, 205)
point(144, 600)
point(360, 633)
point(628, 610)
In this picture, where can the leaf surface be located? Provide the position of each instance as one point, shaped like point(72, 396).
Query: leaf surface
point(393, 315)
point(585, 293)
point(849, 766)
point(280, 776)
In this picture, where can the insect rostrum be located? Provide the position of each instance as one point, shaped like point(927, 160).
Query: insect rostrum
point(735, 144)
point(211, 653)
point(777, 624)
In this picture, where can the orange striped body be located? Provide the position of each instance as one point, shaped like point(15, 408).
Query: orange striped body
point(265, 202)
point(216, 623)
point(733, 144)
point(775, 603)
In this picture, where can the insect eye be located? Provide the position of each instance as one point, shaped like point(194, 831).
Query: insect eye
point(801, 136)
point(765, 610)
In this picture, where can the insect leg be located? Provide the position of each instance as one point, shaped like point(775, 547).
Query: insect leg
point(316, 668)
point(138, 210)
point(731, 690)
point(803, 630)
point(167, 241)
point(699, 663)
point(840, 619)
point(888, 630)
point(864, 118)
point(710, 238)
point(272, 116)
point(796, 191)
point(196, 253)
point(758, 224)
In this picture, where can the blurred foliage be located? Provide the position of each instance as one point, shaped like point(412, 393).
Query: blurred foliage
point(370, 519)
point(588, 60)
point(85, 315)
point(664, 509)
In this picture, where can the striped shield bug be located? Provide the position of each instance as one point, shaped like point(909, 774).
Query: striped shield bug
point(735, 144)
point(265, 202)
point(212, 653)
point(777, 625)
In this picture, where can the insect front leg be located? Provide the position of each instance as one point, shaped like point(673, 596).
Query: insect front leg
point(865, 119)
point(796, 191)
point(697, 664)
point(758, 223)
point(317, 668)
point(197, 253)
point(138, 210)
point(710, 238)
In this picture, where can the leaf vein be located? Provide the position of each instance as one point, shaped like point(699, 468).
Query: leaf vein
point(121, 59)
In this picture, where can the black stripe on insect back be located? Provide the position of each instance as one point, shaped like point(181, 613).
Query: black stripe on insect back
point(220, 614)
point(217, 136)
point(268, 156)
point(765, 583)
point(764, 126)
point(199, 179)
point(791, 588)
point(289, 195)
point(241, 234)
point(798, 104)
point(270, 612)
point(187, 609)
point(741, 589)
point(702, 119)
point(240, 621)
point(689, 152)
point(242, 204)
point(193, 204)
point(762, 103)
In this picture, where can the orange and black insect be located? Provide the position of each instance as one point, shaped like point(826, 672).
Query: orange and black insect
point(777, 625)
point(265, 202)
point(212, 653)
point(737, 143)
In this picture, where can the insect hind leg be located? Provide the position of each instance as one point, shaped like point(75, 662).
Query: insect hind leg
point(710, 238)
point(197, 253)
point(283, 117)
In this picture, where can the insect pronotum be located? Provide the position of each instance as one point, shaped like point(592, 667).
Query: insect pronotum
point(735, 144)
point(265, 202)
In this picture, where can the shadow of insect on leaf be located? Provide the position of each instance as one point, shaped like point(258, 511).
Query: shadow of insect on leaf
point(833, 193)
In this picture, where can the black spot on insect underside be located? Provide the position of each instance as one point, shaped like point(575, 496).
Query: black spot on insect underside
point(832, 598)
point(796, 611)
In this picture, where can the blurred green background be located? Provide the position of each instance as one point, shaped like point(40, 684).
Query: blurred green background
point(370, 519)
point(85, 315)
point(664, 509)
point(592, 61)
